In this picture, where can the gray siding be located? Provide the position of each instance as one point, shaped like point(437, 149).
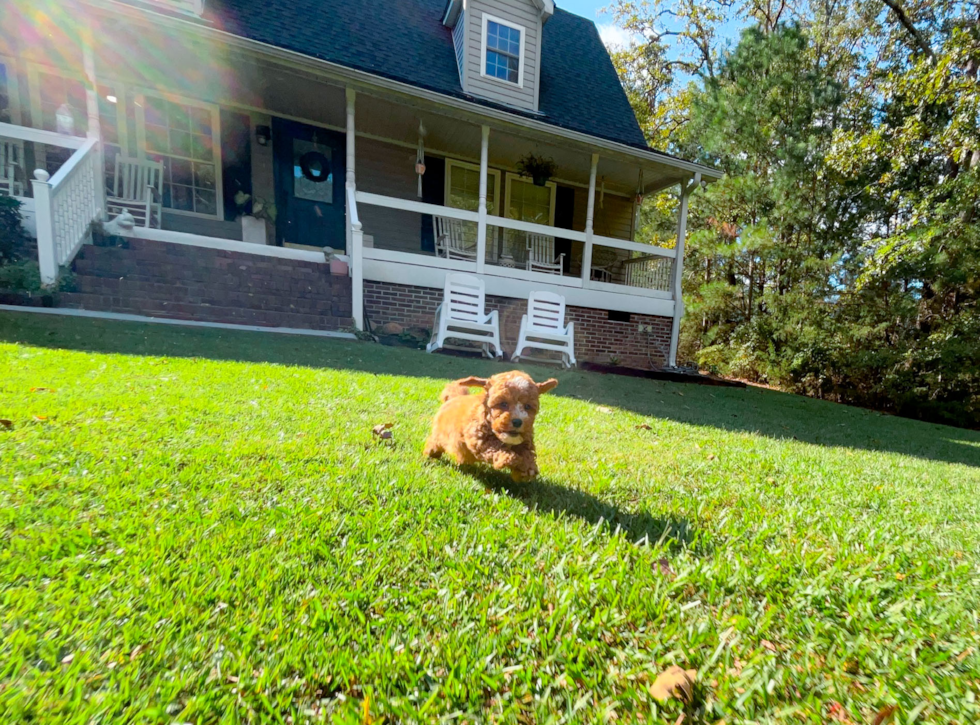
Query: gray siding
point(519, 12)
point(383, 168)
point(459, 43)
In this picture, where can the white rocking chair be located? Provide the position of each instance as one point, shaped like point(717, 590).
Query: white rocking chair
point(541, 255)
point(138, 189)
point(543, 328)
point(451, 239)
point(11, 159)
point(461, 316)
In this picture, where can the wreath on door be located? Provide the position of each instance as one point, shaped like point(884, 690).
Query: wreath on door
point(315, 166)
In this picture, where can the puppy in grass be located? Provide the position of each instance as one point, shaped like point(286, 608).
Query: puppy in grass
point(494, 425)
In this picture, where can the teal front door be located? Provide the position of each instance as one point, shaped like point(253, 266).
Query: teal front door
point(309, 172)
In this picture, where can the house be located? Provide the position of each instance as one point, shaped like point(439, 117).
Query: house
point(391, 133)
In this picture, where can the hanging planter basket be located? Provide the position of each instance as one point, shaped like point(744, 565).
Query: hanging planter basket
point(537, 168)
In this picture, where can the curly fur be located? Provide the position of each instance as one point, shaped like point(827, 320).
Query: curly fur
point(494, 425)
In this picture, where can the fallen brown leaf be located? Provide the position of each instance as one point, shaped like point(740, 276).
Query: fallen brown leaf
point(711, 457)
point(42, 390)
point(8, 424)
point(643, 426)
point(959, 658)
point(383, 431)
point(40, 417)
point(838, 713)
point(769, 645)
point(136, 652)
point(674, 682)
point(663, 566)
point(66, 660)
point(884, 715)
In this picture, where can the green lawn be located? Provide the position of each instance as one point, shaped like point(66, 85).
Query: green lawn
point(198, 527)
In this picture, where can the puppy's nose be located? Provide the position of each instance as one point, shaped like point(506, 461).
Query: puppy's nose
point(517, 422)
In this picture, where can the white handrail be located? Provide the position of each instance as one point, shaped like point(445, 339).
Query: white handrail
point(356, 255)
point(65, 207)
point(24, 133)
point(633, 246)
point(419, 207)
point(68, 169)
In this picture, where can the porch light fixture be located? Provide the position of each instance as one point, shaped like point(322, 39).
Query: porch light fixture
point(263, 134)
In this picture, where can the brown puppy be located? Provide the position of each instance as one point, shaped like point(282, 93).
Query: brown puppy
point(494, 425)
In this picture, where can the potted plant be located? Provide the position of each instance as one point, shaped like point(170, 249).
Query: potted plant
point(537, 168)
point(257, 214)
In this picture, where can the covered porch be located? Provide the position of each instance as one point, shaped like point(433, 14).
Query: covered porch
point(404, 186)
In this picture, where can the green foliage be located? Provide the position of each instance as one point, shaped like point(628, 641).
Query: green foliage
point(199, 527)
point(24, 275)
point(840, 255)
point(12, 233)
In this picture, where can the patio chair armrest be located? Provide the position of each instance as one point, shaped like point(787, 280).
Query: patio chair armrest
point(493, 317)
point(570, 329)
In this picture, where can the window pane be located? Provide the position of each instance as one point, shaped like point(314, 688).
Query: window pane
point(181, 198)
point(201, 147)
point(180, 172)
point(4, 95)
point(183, 137)
point(204, 176)
point(205, 202)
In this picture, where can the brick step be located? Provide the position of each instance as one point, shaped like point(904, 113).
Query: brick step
point(204, 313)
point(321, 301)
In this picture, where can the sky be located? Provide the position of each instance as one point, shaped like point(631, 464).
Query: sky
point(613, 35)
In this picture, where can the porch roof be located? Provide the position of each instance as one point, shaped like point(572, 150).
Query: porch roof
point(405, 40)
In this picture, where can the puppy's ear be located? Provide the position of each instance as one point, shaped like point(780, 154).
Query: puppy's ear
point(472, 382)
point(547, 385)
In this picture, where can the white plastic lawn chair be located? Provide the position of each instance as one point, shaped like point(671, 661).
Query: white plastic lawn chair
point(544, 328)
point(541, 254)
point(461, 316)
point(137, 188)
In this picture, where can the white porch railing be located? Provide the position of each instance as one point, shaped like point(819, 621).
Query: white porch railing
point(385, 265)
point(67, 203)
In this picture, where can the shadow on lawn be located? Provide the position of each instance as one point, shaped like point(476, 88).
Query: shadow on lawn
point(752, 410)
point(544, 496)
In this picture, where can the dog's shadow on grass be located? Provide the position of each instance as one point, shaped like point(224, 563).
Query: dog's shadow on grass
point(548, 497)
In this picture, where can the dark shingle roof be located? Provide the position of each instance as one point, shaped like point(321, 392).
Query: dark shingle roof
point(405, 40)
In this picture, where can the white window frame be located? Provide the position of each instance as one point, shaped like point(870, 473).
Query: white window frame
point(517, 178)
point(34, 72)
point(215, 111)
point(450, 163)
point(483, 55)
point(13, 88)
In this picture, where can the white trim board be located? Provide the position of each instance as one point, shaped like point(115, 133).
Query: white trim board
point(230, 245)
point(123, 317)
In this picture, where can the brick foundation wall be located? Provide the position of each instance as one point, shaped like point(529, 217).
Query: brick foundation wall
point(597, 338)
point(197, 283)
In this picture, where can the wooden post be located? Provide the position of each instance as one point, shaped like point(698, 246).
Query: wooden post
point(44, 217)
point(589, 216)
point(481, 228)
point(676, 285)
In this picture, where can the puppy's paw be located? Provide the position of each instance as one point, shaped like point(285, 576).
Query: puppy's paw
point(523, 475)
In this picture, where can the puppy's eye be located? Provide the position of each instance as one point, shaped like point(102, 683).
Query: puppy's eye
point(502, 406)
point(529, 408)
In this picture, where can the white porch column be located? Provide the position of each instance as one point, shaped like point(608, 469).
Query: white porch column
point(44, 217)
point(351, 96)
point(481, 228)
point(589, 216)
point(94, 124)
point(355, 235)
point(678, 276)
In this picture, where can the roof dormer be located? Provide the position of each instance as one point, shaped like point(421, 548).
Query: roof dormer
point(498, 48)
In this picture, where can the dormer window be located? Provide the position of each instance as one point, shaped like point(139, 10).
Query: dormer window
point(503, 50)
